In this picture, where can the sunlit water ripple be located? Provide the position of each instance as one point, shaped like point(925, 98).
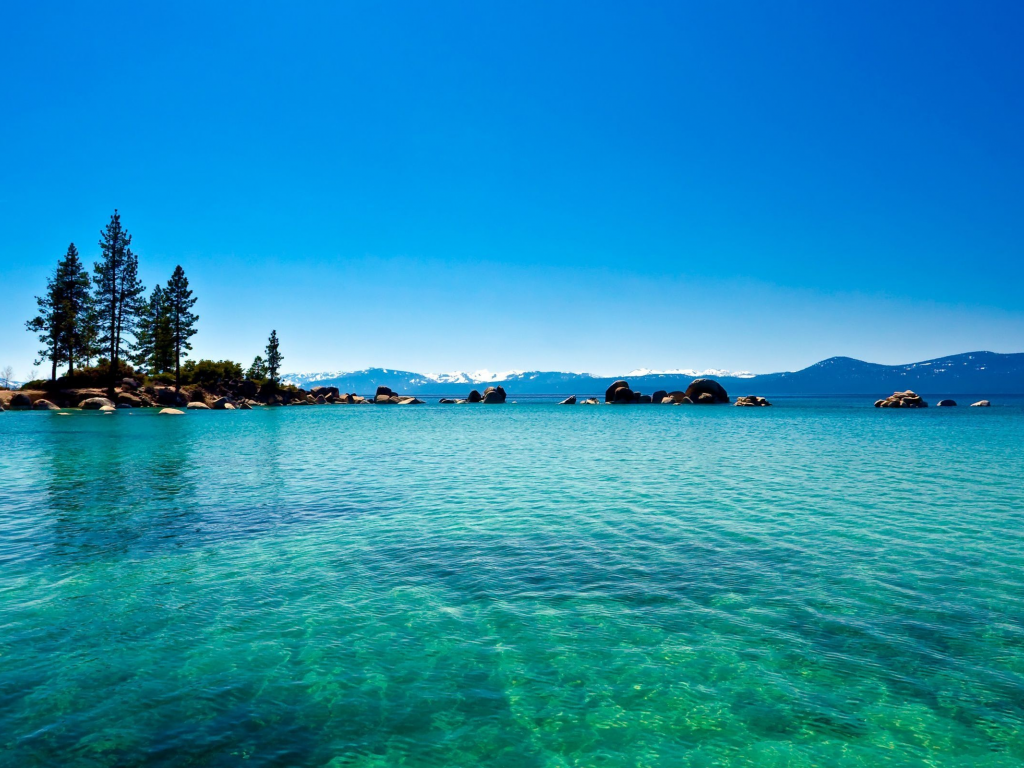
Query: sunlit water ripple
point(819, 583)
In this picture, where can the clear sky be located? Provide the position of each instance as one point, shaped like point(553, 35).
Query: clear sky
point(580, 186)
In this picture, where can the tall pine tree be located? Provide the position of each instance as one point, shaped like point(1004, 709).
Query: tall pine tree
point(47, 324)
point(274, 357)
point(182, 322)
point(78, 316)
point(258, 369)
point(65, 320)
point(118, 294)
point(154, 350)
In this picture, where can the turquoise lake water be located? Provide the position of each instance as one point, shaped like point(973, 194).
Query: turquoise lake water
point(820, 583)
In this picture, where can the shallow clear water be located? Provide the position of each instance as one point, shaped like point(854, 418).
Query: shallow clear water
point(819, 583)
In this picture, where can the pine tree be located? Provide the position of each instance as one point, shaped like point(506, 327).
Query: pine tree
point(258, 369)
point(154, 343)
point(78, 318)
point(274, 357)
point(118, 292)
point(65, 314)
point(47, 324)
point(182, 322)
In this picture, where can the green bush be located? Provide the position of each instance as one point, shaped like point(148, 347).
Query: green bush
point(205, 372)
point(94, 376)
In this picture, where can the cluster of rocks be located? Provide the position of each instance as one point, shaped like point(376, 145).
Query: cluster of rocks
point(906, 399)
point(385, 396)
point(752, 401)
point(700, 392)
point(491, 396)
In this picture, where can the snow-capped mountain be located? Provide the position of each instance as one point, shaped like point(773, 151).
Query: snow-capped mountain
point(972, 372)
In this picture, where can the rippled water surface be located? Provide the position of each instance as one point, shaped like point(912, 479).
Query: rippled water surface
point(820, 583)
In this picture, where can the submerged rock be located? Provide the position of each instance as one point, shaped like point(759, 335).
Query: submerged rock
point(981, 404)
point(171, 412)
point(946, 403)
point(591, 401)
point(751, 401)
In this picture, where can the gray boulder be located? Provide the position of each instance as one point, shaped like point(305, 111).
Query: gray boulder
point(44, 405)
point(947, 403)
point(95, 404)
point(570, 400)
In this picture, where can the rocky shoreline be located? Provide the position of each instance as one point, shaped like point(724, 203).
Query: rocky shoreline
point(246, 394)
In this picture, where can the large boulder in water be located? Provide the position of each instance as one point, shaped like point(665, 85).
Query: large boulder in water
point(609, 394)
point(947, 403)
point(325, 392)
point(95, 404)
point(20, 402)
point(474, 397)
point(570, 400)
point(386, 391)
point(494, 395)
point(981, 404)
point(906, 399)
point(706, 392)
point(620, 393)
point(44, 405)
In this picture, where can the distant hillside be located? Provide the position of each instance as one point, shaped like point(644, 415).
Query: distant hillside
point(969, 373)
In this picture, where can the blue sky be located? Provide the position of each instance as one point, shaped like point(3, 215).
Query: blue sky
point(582, 186)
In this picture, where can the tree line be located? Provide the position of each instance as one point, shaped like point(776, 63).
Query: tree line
point(108, 317)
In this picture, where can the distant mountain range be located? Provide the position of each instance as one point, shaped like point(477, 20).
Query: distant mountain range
point(969, 373)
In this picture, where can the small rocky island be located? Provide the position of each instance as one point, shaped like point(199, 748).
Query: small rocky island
point(906, 399)
point(491, 396)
